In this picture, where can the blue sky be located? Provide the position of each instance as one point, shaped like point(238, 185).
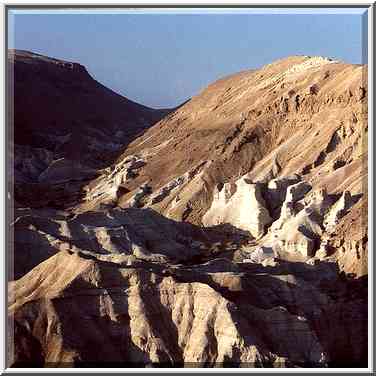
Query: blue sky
point(161, 58)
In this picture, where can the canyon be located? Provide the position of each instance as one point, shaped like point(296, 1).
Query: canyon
point(231, 231)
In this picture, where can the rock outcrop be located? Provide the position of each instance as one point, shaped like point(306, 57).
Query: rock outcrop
point(245, 209)
point(338, 210)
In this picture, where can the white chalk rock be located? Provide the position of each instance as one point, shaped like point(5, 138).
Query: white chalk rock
point(245, 209)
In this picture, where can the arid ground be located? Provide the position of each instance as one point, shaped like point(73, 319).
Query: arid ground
point(229, 231)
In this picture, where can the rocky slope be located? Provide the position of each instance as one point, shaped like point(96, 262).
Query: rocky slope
point(72, 307)
point(231, 233)
point(64, 125)
point(298, 119)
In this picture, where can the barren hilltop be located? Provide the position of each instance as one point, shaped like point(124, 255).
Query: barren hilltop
point(231, 231)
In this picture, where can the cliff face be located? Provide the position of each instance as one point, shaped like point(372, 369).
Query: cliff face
point(232, 232)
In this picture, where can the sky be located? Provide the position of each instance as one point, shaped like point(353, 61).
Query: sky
point(162, 58)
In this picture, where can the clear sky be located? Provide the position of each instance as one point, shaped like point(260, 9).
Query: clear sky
point(161, 58)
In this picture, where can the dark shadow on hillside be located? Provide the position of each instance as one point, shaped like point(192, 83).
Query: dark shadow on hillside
point(152, 233)
point(58, 107)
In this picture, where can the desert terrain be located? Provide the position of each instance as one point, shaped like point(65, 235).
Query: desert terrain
point(231, 231)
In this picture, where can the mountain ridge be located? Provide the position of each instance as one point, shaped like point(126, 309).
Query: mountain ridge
point(90, 135)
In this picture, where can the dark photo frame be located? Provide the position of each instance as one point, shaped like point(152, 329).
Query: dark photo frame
point(187, 186)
